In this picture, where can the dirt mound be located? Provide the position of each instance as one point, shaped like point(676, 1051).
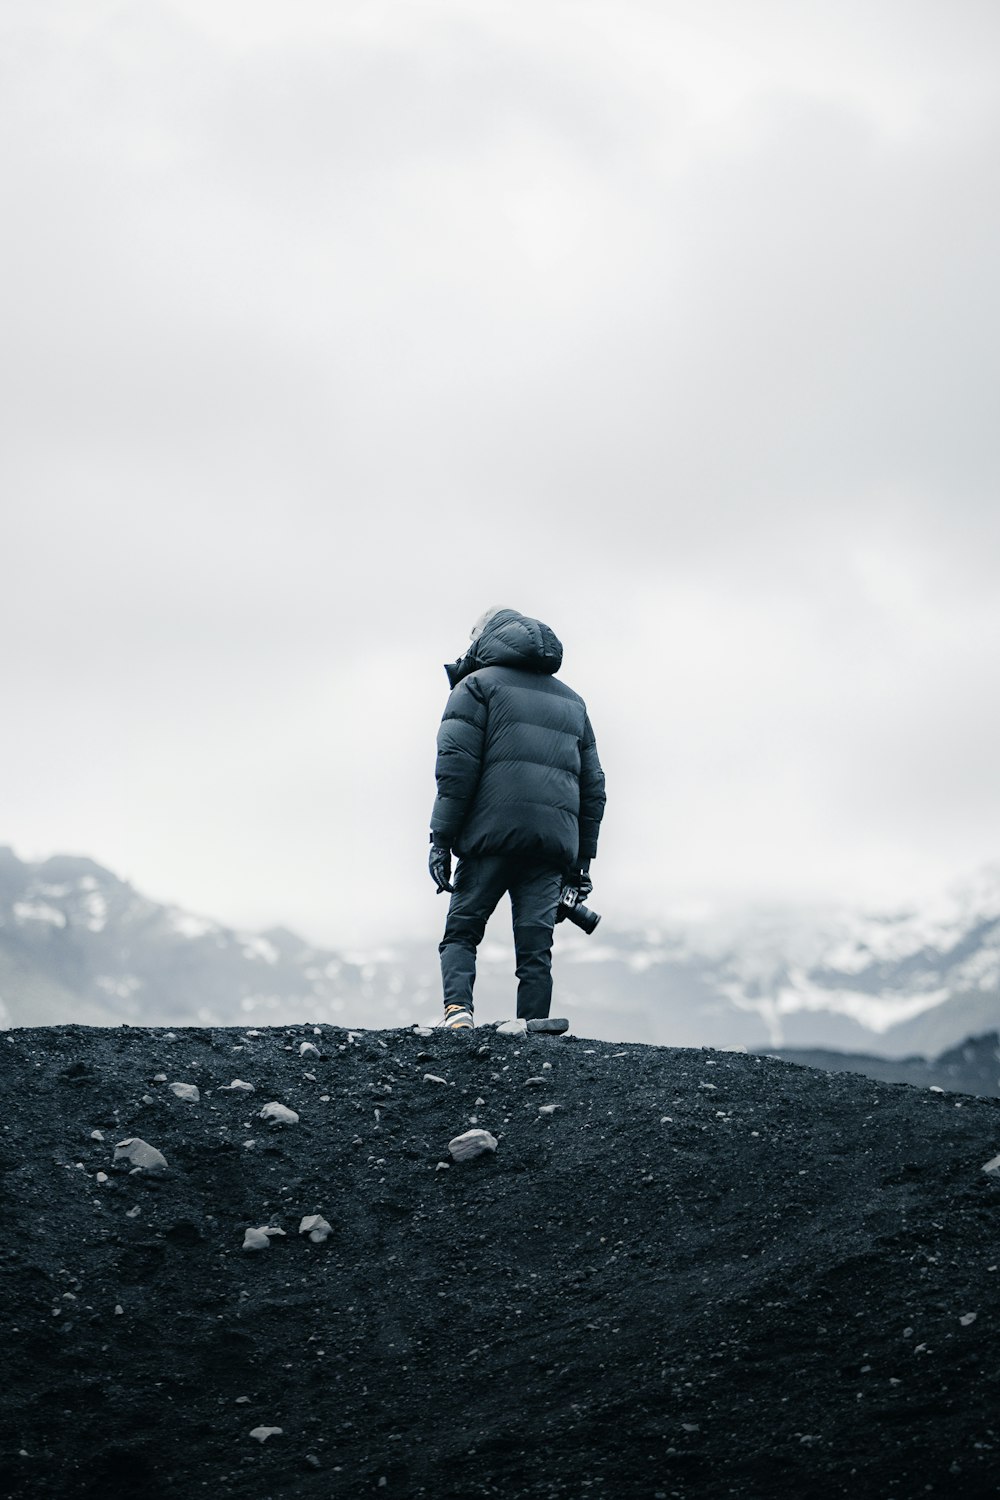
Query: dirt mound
point(701, 1273)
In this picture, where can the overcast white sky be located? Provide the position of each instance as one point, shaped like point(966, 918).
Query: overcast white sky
point(327, 325)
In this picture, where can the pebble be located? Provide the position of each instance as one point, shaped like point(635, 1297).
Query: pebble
point(308, 1049)
point(513, 1028)
point(423, 1031)
point(534, 1083)
point(159, 1077)
point(263, 1433)
point(260, 1239)
point(967, 1318)
point(547, 1109)
point(97, 1135)
point(279, 1114)
point(147, 1099)
point(188, 1091)
point(433, 1078)
point(102, 1177)
point(140, 1156)
point(316, 1227)
point(237, 1087)
point(471, 1143)
point(993, 1166)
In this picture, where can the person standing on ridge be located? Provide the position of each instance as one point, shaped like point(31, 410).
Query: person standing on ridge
point(520, 797)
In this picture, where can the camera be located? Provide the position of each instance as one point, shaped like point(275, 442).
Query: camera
point(571, 909)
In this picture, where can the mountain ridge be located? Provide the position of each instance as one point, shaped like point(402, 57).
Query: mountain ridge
point(76, 942)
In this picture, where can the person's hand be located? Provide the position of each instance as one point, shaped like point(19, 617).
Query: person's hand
point(439, 865)
point(581, 880)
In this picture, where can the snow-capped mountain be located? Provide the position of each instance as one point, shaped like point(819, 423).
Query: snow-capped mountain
point(77, 943)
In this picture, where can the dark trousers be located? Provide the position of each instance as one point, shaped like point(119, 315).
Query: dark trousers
point(534, 897)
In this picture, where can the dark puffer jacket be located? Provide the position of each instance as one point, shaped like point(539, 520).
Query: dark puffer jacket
point(517, 765)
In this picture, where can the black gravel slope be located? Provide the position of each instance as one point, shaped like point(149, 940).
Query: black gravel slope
point(706, 1274)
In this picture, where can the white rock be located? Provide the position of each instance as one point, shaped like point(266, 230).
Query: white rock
point(480, 1101)
point(140, 1156)
point(535, 1083)
point(993, 1166)
point(936, 1089)
point(471, 1143)
point(97, 1135)
point(517, 1027)
point(433, 1078)
point(547, 1109)
point(263, 1433)
point(119, 1310)
point(260, 1238)
point(279, 1113)
point(147, 1099)
point(967, 1318)
point(188, 1091)
point(546, 1067)
point(308, 1049)
point(159, 1077)
point(102, 1177)
point(423, 1031)
point(169, 1036)
point(316, 1227)
point(442, 1166)
point(237, 1087)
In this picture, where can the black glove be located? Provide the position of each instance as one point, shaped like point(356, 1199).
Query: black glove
point(439, 865)
point(581, 881)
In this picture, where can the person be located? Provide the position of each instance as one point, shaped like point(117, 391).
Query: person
point(520, 797)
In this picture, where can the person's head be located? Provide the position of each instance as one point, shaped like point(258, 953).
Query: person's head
point(484, 620)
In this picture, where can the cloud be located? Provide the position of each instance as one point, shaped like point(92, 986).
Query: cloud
point(327, 326)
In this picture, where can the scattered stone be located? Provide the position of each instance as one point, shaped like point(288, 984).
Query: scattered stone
point(546, 1067)
point(308, 1049)
point(547, 1109)
point(237, 1087)
point(471, 1143)
point(513, 1028)
point(147, 1099)
point(119, 1310)
point(133, 1213)
point(263, 1433)
point(188, 1091)
point(316, 1227)
point(993, 1166)
point(260, 1239)
point(140, 1156)
point(102, 1177)
point(549, 1025)
point(159, 1077)
point(442, 1166)
point(279, 1114)
point(936, 1088)
point(534, 1083)
point(967, 1318)
point(433, 1078)
point(97, 1135)
point(423, 1031)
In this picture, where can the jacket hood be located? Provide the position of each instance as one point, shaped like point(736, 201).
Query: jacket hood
point(510, 639)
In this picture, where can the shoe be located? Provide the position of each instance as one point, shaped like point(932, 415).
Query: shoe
point(457, 1018)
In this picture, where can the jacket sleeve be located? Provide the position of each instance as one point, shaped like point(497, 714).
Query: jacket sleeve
point(460, 743)
point(592, 798)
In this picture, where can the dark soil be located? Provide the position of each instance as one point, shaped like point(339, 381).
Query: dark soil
point(758, 1296)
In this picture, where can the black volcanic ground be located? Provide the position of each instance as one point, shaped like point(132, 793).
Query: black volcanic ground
point(705, 1274)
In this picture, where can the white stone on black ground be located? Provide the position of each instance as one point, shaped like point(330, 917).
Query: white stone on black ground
point(263, 1433)
point(433, 1078)
point(513, 1028)
point(316, 1227)
point(471, 1143)
point(279, 1113)
point(237, 1087)
point(260, 1239)
point(993, 1166)
point(308, 1049)
point(139, 1155)
point(188, 1091)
